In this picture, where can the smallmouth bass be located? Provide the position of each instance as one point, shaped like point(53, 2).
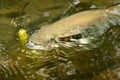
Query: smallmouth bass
point(77, 29)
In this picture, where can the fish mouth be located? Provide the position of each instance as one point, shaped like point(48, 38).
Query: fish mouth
point(32, 45)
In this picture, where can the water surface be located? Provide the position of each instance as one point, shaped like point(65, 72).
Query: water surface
point(20, 63)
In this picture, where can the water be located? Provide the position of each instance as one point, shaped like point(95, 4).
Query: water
point(20, 63)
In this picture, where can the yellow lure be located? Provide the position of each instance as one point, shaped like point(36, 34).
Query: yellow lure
point(23, 35)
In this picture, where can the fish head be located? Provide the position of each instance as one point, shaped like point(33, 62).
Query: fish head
point(41, 40)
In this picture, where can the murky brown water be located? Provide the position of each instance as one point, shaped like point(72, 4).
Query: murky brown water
point(20, 63)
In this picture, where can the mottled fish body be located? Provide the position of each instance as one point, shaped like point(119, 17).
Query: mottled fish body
point(49, 36)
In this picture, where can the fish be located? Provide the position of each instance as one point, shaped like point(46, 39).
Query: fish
point(75, 29)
